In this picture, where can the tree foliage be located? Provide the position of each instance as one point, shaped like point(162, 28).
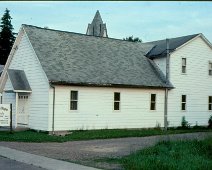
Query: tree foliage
point(130, 38)
point(7, 37)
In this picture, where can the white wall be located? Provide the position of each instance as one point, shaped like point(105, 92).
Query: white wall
point(96, 108)
point(196, 84)
point(8, 98)
point(25, 59)
point(161, 63)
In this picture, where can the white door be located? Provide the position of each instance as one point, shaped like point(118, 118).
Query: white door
point(23, 110)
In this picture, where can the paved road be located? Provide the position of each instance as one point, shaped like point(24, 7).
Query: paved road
point(8, 164)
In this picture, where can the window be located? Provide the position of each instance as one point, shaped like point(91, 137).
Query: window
point(116, 101)
point(183, 65)
point(210, 103)
point(210, 69)
point(23, 97)
point(153, 102)
point(183, 103)
point(74, 100)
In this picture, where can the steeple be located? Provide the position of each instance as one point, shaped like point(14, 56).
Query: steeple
point(97, 27)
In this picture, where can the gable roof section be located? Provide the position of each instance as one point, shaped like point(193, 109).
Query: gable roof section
point(78, 59)
point(159, 49)
point(19, 80)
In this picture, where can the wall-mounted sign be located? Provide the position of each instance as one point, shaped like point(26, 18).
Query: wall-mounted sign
point(4, 114)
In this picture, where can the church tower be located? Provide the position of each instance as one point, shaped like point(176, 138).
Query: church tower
point(97, 27)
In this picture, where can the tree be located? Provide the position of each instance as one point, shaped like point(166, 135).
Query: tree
point(130, 38)
point(7, 37)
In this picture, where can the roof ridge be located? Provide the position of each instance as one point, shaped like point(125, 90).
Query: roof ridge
point(174, 38)
point(80, 34)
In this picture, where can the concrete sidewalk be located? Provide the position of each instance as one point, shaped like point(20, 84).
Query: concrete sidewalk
point(40, 161)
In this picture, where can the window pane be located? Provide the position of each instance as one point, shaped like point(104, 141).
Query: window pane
point(210, 65)
point(184, 61)
point(210, 72)
point(210, 99)
point(74, 95)
point(116, 105)
point(183, 98)
point(183, 106)
point(183, 69)
point(153, 97)
point(116, 96)
point(210, 107)
point(152, 107)
point(73, 105)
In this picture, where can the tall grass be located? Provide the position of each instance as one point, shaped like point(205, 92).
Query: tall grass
point(180, 155)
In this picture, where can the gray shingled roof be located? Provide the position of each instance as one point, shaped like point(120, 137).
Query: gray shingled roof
point(159, 49)
point(71, 58)
point(1, 69)
point(18, 80)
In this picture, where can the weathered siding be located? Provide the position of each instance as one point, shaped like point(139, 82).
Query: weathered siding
point(196, 83)
point(25, 59)
point(96, 108)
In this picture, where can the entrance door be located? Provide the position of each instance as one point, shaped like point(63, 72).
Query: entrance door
point(23, 110)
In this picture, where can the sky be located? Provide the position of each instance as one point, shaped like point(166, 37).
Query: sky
point(147, 20)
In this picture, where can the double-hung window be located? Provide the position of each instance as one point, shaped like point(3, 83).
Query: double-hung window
point(153, 102)
point(209, 102)
point(183, 65)
point(74, 100)
point(210, 69)
point(183, 102)
point(116, 101)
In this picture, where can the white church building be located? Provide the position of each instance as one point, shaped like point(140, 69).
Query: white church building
point(58, 80)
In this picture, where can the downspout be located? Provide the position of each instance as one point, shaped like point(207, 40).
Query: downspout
point(166, 89)
point(53, 108)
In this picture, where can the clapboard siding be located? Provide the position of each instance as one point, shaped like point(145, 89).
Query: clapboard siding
point(161, 63)
point(8, 98)
point(96, 108)
point(196, 83)
point(25, 59)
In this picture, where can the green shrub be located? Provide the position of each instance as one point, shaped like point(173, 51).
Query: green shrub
point(184, 123)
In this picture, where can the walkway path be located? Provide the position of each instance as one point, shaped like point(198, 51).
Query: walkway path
point(39, 161)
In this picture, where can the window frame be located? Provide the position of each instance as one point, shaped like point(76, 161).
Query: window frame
point(117, 101)
point(153, 102)
point(209, 103)
point(184, 65)
point(74, 100)
point(210, 68)
point(183, 102)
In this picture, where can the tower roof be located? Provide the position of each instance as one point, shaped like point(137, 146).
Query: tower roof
point(97, 27)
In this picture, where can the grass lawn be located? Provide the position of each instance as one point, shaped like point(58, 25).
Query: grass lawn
point(32, 136)
point(186, 155)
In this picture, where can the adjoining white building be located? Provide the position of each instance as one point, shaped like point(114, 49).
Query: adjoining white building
point(58, 80)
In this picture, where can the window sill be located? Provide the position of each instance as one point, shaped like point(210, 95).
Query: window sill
point(74, 111)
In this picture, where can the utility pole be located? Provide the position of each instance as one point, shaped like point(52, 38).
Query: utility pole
point(166, 90)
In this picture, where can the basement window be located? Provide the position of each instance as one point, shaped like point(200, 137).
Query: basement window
point(183, 102)
point(210, 69)
point(183, 65)
point(74, 100)
point(153, 102)
point(209, 102)
point(116, 101)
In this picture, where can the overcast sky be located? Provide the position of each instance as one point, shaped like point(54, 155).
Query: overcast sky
point(147, 20)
